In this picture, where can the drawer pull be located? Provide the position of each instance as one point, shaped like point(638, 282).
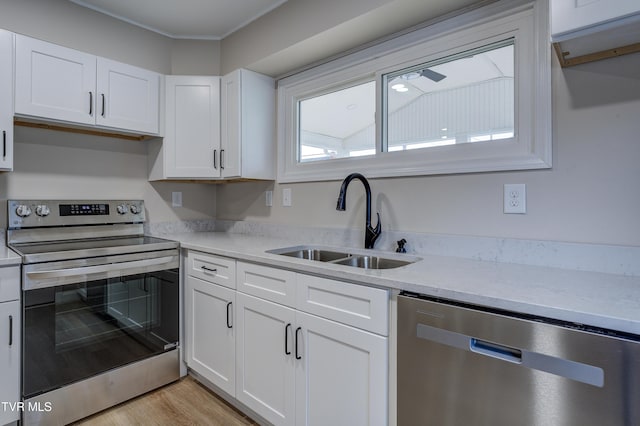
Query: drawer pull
point(206, 269)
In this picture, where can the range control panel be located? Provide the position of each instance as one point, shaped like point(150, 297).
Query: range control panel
point(39, 213)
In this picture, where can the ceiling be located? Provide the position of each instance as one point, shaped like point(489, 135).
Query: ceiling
point(185, 19)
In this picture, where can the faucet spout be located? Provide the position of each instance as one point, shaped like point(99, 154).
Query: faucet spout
point(371, 233)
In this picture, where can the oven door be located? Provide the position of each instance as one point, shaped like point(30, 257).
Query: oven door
point(87, 316)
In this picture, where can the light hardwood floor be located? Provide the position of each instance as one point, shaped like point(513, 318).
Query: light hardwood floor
point(185, 402)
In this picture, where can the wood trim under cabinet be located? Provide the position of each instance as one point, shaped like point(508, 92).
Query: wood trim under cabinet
point(596, 56)
point(59, 128)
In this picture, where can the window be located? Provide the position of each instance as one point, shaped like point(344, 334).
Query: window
point(464, 98)
point(338, 124)
point(466, 95)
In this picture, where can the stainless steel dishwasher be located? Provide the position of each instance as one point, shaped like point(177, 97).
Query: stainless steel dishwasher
point(463, 365)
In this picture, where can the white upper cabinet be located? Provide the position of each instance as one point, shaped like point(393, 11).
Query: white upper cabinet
point(128, 97)
point(570, 17)
point(191, 146)
point(6, 103)
point(590, 30)
point(217, 128)
point(62, 84)
point(247, 126)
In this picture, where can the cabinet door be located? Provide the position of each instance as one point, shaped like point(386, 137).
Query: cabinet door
point(231, 135)
point(265, 358)
point(54, 81)
point(572, 15)
point(127, 97)
point(192, 134)
point(341, 378)
point(9, 359)
point(6, 104)
point(210, 332)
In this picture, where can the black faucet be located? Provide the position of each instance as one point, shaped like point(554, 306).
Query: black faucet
point(370, 234)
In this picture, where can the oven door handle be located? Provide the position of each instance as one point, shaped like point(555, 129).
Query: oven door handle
point(87, 270)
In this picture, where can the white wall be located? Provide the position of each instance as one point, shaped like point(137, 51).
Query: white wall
point(303, 31)
point(590, 195)
point(60, 165)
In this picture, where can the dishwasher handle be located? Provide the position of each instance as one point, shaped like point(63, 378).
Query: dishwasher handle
point(495, 350)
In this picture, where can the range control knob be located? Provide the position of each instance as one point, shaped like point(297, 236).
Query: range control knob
point(42, 210)
point(134, 209)
point(23, 210)
point(121, 208)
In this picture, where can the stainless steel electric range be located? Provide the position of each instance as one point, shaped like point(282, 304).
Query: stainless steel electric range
point(100, 305)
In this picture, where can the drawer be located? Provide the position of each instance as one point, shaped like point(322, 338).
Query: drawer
point(356, 305)
point(209, 267)
point(9, 283)
point(276, 285)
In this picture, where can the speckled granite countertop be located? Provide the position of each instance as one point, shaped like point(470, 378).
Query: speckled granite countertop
point(591, 298)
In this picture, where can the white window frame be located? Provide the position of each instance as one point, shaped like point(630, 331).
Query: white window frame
point(530, 148)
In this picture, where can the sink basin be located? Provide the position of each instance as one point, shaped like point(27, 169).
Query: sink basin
point(373, 262)
point(315, 254)
point(355, 258)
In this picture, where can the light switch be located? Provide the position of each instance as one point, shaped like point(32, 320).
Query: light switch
point(176, 199)
point(286, 197)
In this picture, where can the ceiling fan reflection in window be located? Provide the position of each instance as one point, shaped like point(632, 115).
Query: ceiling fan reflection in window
point(427, 73)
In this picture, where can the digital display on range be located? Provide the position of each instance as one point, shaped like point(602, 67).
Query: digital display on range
point(84, 209)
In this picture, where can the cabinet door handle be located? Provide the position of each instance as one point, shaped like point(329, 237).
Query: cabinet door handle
point(91, 103)
point(4, 144)
point(10, 330)
point(297, 335)
point(222, 159)
point(286, 339)
point(215, 153)
point(204, 268)
point(229, 324)
point(103, 104)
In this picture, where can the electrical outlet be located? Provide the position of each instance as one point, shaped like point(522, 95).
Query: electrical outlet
point(268, 198)
point(515, 198)
point(286, 197)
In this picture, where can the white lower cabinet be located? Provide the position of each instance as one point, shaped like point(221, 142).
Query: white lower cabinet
point(10, 332)
point(265, 367)
point(341, 376)
point(294, 368)
point(9, 360)
point(210, 329)
point(292, 361)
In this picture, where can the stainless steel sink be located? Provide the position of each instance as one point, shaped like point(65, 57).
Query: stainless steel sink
point(373, 262)
point(315, 254)
point(355, 258)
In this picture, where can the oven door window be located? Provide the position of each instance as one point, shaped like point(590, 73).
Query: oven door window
point(78, 330)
